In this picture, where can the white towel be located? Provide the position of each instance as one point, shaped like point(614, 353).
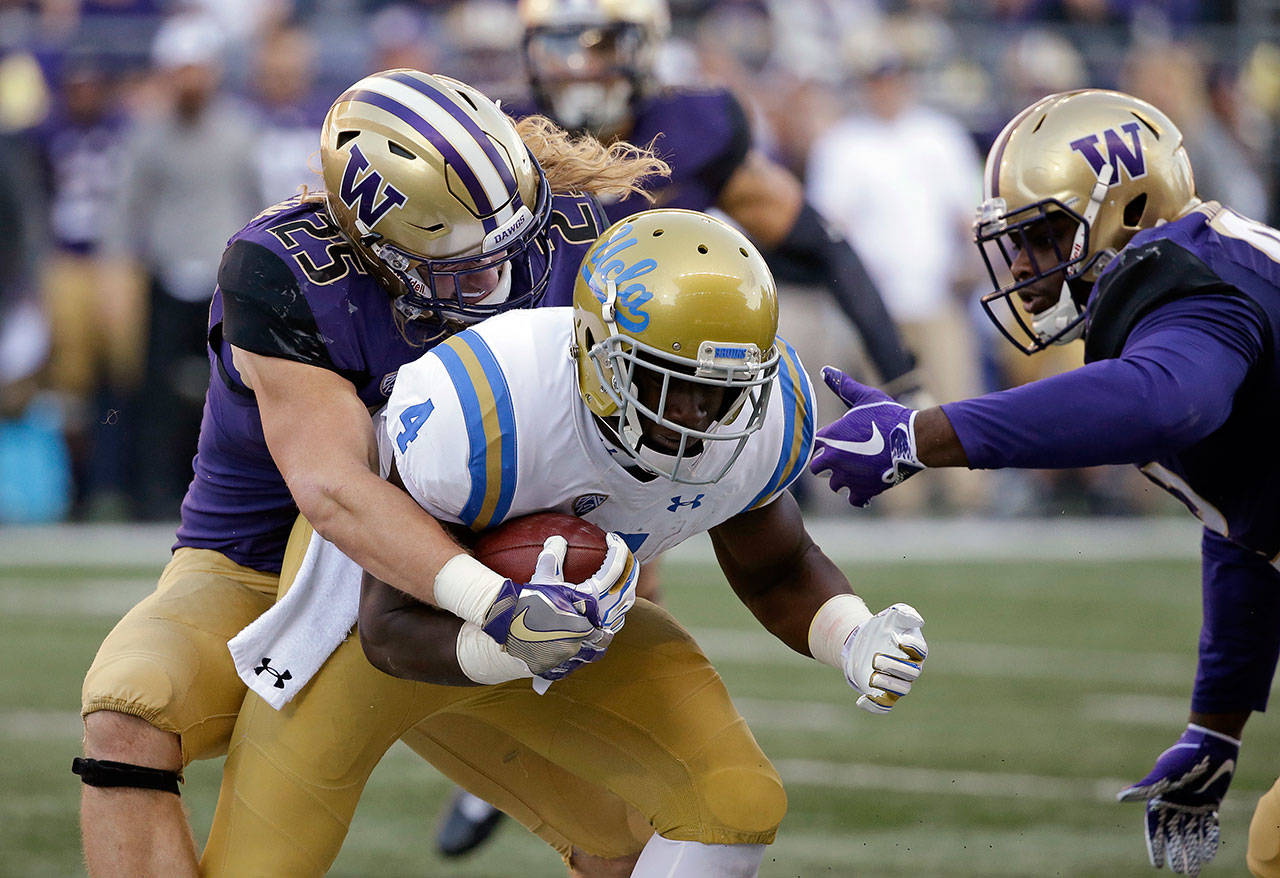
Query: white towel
point(280, 651)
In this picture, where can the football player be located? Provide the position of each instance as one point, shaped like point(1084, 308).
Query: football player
point(590, 65)
point(435, 215)
point(659, 406)
point(1091, 228)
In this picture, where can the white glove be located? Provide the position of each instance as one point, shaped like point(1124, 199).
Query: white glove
point(883, 656)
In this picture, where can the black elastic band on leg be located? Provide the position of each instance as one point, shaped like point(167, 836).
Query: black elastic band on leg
point(105, 773)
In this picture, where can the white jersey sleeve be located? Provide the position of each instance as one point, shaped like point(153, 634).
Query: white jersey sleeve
point(450, 426)
point(792, 417)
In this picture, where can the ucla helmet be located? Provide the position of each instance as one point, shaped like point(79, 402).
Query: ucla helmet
point(589, 61)
point(1103, 163)
point(675, 296)
point(439, 195)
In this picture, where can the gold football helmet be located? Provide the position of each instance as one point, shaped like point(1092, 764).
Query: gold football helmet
point(669, 296)
point(439, 195)
point(1102, 162)
point(589, 61)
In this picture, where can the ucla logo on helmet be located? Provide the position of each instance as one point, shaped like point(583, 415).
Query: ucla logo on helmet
point(605, 263)
point(584, 503)
point(1118, 153)
point(363, 197)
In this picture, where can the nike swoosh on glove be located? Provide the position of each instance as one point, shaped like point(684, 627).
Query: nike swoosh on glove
point(544, 622)
point(1182, 793)
point(872, 447)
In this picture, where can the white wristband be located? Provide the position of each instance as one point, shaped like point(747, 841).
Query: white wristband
point(483, 661)
point(466, 588)
point(831, 626)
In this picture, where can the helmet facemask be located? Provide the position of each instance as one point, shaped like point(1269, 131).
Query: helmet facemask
point(1001, 235)
point(469, 288)
point(587, 77)
point(624, 364)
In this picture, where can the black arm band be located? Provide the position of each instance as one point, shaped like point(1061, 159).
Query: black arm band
point(812, 242)
point(105, 773)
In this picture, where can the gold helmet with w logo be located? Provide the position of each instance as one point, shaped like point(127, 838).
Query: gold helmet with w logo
point(675, 296)
point(1102, 162)
point(439, 195)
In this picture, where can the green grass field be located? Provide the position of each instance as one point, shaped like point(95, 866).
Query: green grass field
point(1048, 686)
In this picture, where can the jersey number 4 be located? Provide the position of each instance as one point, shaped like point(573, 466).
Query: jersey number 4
point(411, 420)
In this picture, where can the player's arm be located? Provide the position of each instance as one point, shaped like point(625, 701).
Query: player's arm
point(803, 599)
point(321, 437)
point(768, 202)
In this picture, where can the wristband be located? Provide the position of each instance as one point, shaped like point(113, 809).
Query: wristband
point(832, 625)
point(466, 588)
point(483, 661)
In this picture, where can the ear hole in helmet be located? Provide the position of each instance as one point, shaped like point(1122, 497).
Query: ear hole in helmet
point(702, 248)
point(657, 233)
point(345, 137)
point(1134, 209)
point(397, 149)
point(743, 251)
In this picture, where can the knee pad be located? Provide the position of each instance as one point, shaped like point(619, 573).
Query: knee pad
point(744, 805)
point(106, 773)
point(1263, 853)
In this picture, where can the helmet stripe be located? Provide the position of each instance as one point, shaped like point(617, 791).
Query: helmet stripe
point(996, 156)
point(797, 433)
point(491, 427)
point(469, 124)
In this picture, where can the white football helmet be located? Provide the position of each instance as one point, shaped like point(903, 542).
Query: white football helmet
point(439, 195)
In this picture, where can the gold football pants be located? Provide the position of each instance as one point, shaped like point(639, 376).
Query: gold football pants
point(1263, 853)
point(167, 660)
point(645, 739)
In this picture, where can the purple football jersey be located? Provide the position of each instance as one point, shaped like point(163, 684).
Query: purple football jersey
point(291, 286)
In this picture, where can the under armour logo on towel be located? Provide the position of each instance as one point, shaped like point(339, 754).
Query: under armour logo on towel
point(280, 676)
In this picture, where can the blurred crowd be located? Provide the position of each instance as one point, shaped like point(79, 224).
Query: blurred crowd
point(137, 135)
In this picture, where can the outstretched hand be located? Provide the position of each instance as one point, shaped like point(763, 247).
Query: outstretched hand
point(871, 447)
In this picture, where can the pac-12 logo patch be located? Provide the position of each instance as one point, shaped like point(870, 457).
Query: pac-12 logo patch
point(388, 383)
point(586, 502)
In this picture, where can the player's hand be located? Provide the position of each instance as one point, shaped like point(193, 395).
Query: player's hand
point(614, 588)
point(544, 622)
point(871, 447)
point(1182, 793)
point(884, 656)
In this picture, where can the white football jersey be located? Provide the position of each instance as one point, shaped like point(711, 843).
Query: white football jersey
point(489, 425)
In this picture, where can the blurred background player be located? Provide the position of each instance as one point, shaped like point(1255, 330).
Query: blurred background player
point(435, 214)
point(1091, 228)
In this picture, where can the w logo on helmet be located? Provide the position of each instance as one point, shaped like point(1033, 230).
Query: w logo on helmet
point(1117, 151)
point(362, 197)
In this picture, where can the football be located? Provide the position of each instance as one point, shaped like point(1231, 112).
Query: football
point(511, 549)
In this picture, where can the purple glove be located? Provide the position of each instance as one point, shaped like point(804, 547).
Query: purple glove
point(545, 622)
point(1182, 793)
point(871, 447)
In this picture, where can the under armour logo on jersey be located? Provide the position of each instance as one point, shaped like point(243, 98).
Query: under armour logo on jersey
point(362, 197)
point(586, 502)
point(677, 502)
point(1118, 153)
point(280, 676)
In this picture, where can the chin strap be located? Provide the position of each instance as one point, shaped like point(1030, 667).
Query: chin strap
point(1053, 322)
point(105, 773)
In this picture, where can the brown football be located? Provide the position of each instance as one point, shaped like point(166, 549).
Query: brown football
point(511, 549)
